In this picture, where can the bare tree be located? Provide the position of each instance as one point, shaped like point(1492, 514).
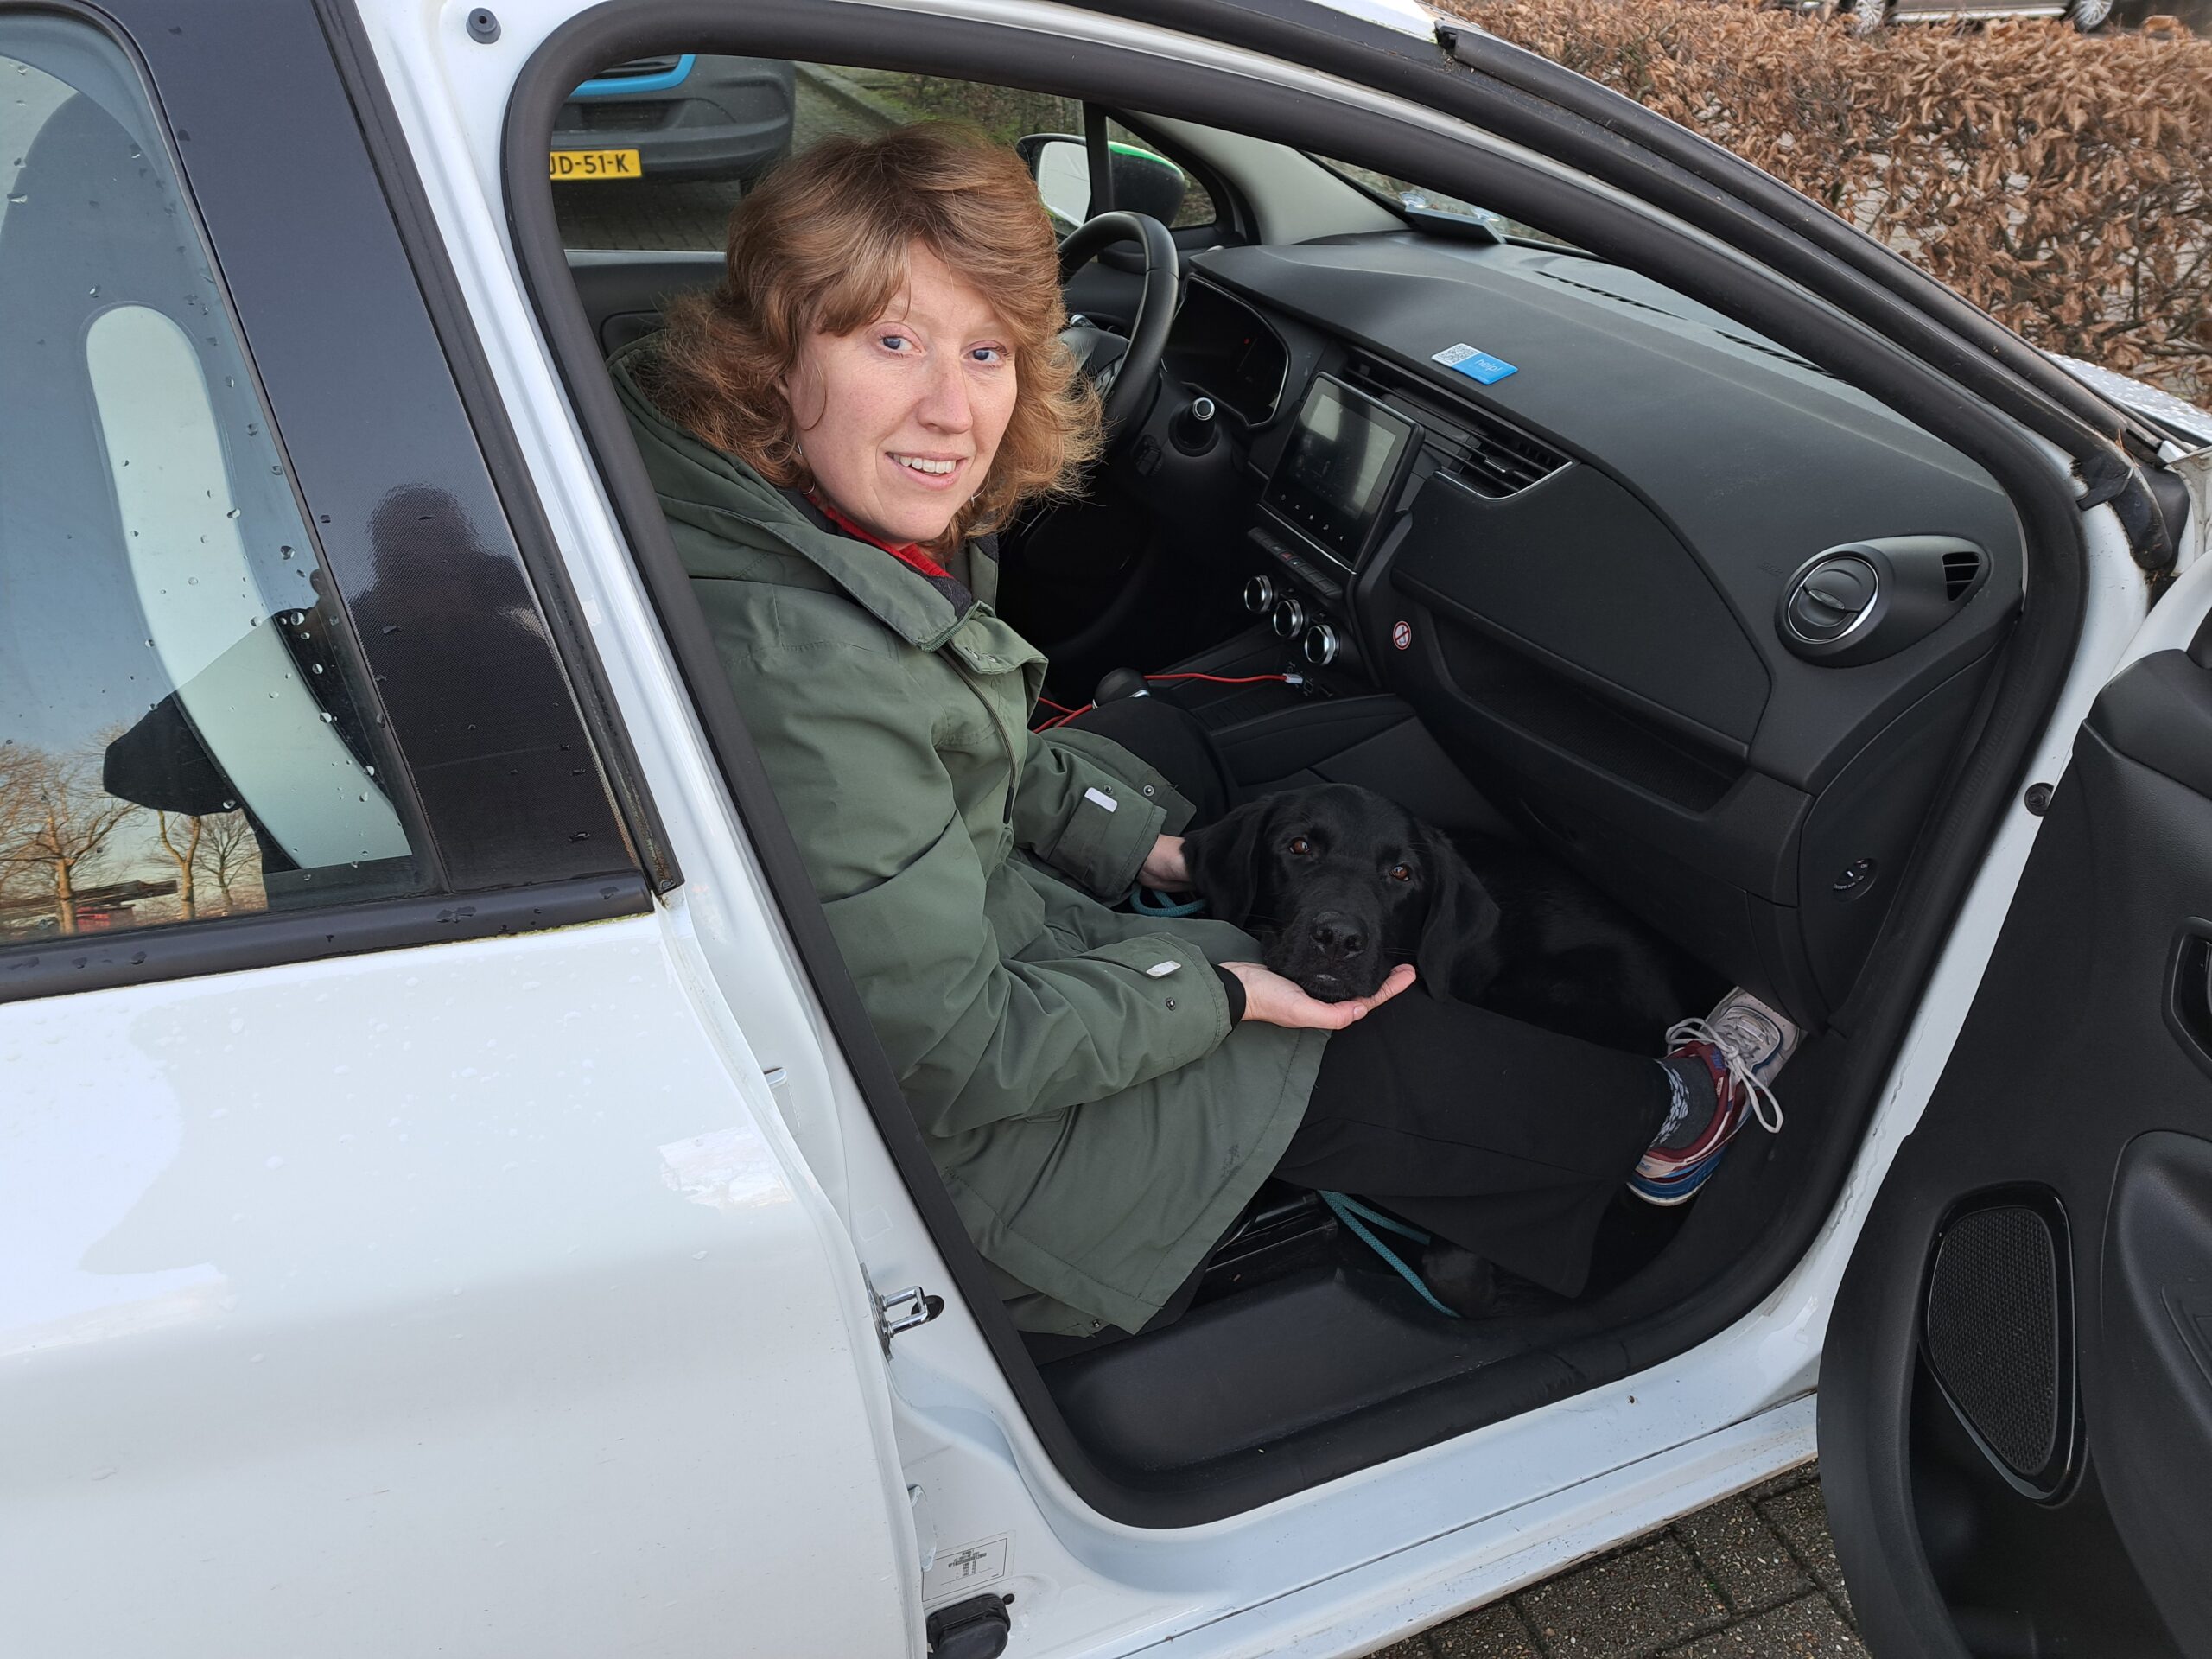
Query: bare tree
point(228, 853)
point(59, 822)
point(185, 857)
point(15, 816)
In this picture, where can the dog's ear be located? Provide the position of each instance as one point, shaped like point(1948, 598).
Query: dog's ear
point(1224, 859)
point(1457, 955)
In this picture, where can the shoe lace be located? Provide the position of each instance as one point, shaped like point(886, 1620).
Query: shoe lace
point(1728, 1046)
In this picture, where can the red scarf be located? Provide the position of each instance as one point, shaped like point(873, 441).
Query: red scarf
point(907, 553)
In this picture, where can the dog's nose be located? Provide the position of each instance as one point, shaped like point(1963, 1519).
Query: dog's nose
point(1338, 934)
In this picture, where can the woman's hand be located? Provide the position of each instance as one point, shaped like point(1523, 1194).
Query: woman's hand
point(1164, 870)
point(1275, 1000)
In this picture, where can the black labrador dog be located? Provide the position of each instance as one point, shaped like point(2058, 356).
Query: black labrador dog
point(1339, 884)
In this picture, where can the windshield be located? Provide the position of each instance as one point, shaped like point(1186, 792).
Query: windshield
point(1403, 196)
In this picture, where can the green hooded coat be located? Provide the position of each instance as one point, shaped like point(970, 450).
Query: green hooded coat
point(1097, 1120)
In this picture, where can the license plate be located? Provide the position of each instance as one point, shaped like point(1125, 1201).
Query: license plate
point(571, 165)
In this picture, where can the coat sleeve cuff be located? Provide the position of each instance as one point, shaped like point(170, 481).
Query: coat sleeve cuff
point(1233, 988)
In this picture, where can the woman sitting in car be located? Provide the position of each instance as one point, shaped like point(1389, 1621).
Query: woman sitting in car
point(835, 430)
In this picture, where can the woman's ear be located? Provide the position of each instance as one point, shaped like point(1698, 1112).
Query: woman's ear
point(1457, 955)
point(1224, 859)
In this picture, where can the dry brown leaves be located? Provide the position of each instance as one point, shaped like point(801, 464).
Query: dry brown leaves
point(2062, 182)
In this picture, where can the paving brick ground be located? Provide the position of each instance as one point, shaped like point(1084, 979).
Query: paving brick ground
point(1754, 1577)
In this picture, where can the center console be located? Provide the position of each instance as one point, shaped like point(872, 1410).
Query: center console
point(1335, 487)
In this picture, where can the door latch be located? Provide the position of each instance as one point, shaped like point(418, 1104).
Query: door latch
point(903, 1310)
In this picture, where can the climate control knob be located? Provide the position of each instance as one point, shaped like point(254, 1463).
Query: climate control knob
point(1260, 595)
point(1321, 645)
point(1289, 617)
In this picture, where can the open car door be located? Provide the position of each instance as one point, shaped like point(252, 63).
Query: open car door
point(2016, 1391)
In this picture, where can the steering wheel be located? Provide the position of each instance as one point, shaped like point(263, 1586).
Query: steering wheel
point(1125, 372)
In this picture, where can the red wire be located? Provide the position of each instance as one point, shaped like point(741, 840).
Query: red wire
point(1067, 714)
point(1221, 679)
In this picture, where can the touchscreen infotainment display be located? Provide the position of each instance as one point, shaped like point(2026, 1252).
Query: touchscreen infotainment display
point(1337, 470)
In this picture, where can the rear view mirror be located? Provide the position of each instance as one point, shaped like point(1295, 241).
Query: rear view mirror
point(1143, 182)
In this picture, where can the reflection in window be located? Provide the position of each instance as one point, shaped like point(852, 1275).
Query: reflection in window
point(1406, 197)
point(701, 129)
point(179, 738)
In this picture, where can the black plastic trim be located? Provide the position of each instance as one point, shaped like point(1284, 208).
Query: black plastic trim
point(2062, 1467)
point(1959, 828)
point(480, 396)
point(95, 961)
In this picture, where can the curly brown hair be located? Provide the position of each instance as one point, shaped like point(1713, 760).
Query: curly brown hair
point(821, 246)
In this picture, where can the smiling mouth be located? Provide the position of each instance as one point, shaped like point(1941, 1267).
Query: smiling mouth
point(928, 467)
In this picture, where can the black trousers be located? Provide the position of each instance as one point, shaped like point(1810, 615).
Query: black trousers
point(1502, 1138)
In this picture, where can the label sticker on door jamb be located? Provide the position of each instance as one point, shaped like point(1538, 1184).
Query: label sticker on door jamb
point(964, 1570)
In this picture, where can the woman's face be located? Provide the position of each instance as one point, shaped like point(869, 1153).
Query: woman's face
point(899, 420)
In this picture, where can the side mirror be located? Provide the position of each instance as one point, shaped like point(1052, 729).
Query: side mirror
point(1143, 182)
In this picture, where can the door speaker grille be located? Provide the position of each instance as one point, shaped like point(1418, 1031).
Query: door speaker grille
point(1994, 1333)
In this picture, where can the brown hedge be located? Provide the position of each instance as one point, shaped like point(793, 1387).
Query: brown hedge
point(2062, 182)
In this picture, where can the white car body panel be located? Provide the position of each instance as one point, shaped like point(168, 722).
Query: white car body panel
point(470, 1282)
point(706, 1458)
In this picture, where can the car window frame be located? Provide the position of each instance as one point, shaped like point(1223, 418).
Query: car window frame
point(513, 886)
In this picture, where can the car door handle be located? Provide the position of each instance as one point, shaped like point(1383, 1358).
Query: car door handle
point(2189, 991)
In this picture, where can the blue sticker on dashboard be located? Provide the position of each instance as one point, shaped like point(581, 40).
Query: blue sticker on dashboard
point(1476, 365)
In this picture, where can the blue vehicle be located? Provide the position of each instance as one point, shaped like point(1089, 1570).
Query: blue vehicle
point(687, 116)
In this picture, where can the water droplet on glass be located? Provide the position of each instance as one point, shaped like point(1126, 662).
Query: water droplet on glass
point(18, 202)
point(318, 667)
point(230, 380)
point(232, 513)
point(230, 806)
point(253, 621)
point(365, 797)
point(372, 771)
point(192, 582)
point(94, 292)
point(328, 717)
point(149, 645)
point(277, 472)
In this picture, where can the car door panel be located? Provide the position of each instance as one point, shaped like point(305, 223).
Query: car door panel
point(2076, 1090)
point(461, 1288)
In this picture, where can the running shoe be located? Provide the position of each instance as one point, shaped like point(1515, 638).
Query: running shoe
point(1743, 1043)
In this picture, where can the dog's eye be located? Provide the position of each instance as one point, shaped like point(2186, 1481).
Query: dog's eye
point(1402, 872)
point(1299, 845)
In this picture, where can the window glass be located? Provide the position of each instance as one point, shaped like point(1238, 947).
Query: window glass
point(654, 153)
point(1411, 198)
point(181, 732)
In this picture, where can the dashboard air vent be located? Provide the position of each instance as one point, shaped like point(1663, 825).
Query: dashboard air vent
point(1475, 446)
point(1499, 461)
point(1961, 566)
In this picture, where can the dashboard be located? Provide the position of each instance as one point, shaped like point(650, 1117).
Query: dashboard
point(1711, 621)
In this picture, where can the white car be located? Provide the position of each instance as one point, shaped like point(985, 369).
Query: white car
point(453, 1201)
